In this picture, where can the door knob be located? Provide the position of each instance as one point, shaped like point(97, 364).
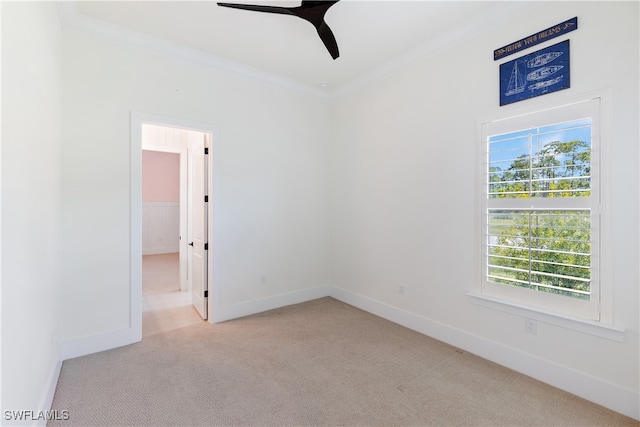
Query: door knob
point(191, 244)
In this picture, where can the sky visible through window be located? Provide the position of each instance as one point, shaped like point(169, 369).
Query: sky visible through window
point(506, 148)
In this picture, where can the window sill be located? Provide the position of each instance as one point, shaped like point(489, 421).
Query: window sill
point(610, 332)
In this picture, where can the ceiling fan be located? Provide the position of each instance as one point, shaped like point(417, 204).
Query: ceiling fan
point(311, 11)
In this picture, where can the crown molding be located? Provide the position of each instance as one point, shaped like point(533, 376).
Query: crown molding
point(456, 35)
point(71, 19)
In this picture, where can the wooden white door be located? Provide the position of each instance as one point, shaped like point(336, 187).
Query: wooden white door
point(198, 214)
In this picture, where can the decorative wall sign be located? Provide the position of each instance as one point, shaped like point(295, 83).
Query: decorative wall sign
point(534, 39)
point(540, 72)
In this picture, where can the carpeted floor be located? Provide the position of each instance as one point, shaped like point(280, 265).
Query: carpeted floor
point(321, 363)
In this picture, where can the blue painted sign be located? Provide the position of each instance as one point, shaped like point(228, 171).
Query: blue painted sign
point(539, 73)
point(537, 38)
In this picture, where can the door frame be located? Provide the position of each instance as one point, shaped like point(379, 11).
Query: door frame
point(135, 228)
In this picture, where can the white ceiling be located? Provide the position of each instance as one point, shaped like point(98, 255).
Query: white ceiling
point(374, 37)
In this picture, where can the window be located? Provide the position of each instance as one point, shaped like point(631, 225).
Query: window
point(541, 210)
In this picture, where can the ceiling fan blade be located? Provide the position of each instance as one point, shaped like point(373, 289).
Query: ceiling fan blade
point(259, 8)
point(314, 11)
point(311, 11)
point(327, 4)
point(329, 40)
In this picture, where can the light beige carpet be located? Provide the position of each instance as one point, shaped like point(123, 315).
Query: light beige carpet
point(160, 274)
point(321, 363)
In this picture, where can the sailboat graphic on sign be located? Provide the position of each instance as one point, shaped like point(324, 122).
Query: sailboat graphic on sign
point(543, 72)
point(538, 73)
point(516, 82)
point(540, 60)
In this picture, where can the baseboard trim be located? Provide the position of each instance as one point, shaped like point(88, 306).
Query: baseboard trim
point(49, 392)
point(96, 343)
point(248, 308)
point(113, 339)
point(596, 390)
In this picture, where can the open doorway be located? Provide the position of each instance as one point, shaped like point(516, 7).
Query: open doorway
point(161, 244)
point(165, 291)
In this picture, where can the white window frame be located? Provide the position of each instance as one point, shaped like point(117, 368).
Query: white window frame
point(597, 311)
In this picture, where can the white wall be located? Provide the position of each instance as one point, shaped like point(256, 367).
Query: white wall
point(31, 202)
point(404, 180)
point(273, 157)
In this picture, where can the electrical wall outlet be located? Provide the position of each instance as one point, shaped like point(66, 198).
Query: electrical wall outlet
point(531, 326)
